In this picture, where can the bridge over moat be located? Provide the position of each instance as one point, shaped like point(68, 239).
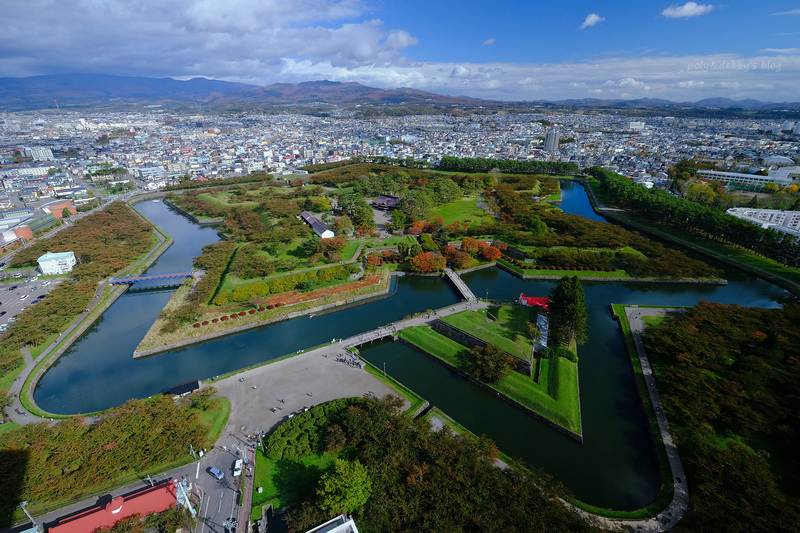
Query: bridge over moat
point(142, 278)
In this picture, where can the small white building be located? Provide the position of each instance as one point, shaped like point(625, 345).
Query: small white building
point(54, 264)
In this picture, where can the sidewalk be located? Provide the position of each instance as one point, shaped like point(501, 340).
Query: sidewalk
point(17, 413)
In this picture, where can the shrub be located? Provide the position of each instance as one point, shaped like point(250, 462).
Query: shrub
point(252, 311)
point(270, 306)
point(224, 318)
point(261, 309)
point(234, 315)
point(242, 313)
point(214, 320)
point(278, 304)
point(205, 322)
point(196, 325)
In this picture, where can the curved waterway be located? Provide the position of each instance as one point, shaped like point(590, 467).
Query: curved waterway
point(613, 468)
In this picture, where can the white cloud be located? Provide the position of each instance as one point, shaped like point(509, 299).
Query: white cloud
point(272, 41)
point(591, 20)
point(684, 78)
point(487, 42)
point(687, 10)
point(215, 38)
point(460, 72)
point(781, 50)
point(791, 12)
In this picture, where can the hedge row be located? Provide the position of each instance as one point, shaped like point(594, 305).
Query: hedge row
point(302, 435)
point(528, 266)
point(224, 318)
point(300, 280)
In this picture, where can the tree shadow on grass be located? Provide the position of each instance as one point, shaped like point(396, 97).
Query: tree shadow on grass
point(13, 464)
point(294, 474)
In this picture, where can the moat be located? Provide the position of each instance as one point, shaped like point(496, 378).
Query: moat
point(613, 468)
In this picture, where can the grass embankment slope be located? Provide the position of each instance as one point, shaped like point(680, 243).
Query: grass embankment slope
point(502, 326)
point(156, 339)
point(555, 397)
point(728, 253)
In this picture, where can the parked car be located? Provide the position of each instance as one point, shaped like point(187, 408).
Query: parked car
point(216, 472)
point(46, 283)
point(33, 288)
point(12, 288)
point(36, 301)
point(34, 278)
point(237, 468)
point(41, 296)
point(24, 296)
point(18, 275)
point(2, 313)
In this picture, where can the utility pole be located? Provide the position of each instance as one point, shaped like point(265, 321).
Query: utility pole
point(179, 485)
point(37, 526)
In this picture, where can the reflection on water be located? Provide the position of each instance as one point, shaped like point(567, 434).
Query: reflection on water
point(615, 465)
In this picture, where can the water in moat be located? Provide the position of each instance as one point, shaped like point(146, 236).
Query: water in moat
point(613, 468)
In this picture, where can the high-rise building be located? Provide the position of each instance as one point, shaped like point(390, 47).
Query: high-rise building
point(551, 141)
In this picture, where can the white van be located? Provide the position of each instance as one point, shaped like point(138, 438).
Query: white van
point(237, 468)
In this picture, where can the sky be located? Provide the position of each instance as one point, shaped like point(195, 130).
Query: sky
point(512, 50)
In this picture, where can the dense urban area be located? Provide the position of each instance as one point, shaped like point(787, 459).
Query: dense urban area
point(311, 213)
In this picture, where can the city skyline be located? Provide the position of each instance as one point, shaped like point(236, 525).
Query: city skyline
point(511, 50)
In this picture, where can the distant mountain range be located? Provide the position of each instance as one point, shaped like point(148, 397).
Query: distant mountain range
point(98, 91)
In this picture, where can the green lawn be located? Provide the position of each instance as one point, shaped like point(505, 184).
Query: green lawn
point(580, 273)
point(402, 391)
point(464, 210)
point(6, 380)
point(8, 426)
point(556, 398)
point(284, 482)
point(506, 329)
point(216, 417)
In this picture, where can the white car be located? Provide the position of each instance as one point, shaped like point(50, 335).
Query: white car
point(45, 283)
point(237, 468)
point(24, 296)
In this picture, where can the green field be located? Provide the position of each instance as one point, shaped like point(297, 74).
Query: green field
point(464, 210)
point(503, 326)
point(284, 482)
point(555, 398)
point(614, 274)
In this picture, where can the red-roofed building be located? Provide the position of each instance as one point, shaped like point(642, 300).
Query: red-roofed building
point(534, 301)
point(148, 501)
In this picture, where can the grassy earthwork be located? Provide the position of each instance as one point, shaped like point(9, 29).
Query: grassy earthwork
point(555, 397)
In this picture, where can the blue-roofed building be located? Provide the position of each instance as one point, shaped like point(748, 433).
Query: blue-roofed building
point(55, 264)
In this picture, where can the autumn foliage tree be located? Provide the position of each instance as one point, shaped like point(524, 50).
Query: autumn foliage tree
point(428, 262)
point(490, 253)
point(489, 363)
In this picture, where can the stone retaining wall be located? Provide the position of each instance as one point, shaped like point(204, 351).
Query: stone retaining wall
point(200, 221)
point(618, 280)
point(479, 267)
point(575, 436)
point(145, 353)
point(471, 341)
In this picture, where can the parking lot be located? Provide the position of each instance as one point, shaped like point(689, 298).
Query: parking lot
point(17, 294)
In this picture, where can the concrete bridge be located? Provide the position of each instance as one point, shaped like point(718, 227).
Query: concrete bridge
point(460, 285)
point(422, 319)
point(142, 278)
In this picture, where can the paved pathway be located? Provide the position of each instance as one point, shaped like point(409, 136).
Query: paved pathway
point(15, 410)
point(680, 500)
